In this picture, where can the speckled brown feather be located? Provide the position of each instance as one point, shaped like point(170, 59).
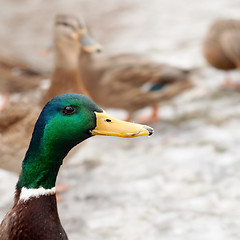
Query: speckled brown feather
point(221, 44)
point(11, 116)
point(34, 219)
point(16, 136)
point(122, 77)
point(17, 77)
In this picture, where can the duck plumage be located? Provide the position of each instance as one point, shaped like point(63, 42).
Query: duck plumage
point(221, 44)
point(17, 77)
point(131, 81)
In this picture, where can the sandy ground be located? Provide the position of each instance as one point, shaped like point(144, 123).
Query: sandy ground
point(183, 182)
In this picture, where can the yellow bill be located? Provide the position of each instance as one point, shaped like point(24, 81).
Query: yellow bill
point(107, 125)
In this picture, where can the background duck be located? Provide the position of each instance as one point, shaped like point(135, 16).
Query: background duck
point(18, 119)
point(70, 36)
point(65, 121)
point(132, 82)
point(221, 45)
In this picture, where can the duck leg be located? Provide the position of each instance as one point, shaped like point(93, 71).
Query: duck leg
point(153, 117)
point(6, 99)
point(60, 187)
point(129, 117)
point(229, 84)
point(45, 52)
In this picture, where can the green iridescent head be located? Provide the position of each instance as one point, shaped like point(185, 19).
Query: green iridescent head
point(65, 121)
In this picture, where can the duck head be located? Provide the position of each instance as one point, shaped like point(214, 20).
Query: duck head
point(70, 38)
point(64, 122)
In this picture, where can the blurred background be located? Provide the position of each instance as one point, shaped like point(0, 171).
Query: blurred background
point(183, 182)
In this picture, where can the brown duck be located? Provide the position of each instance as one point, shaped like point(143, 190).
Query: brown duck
point(221, 46)
point(132, 82)
point(68, 33)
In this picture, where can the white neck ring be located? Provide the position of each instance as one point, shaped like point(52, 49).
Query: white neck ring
point(27, 193)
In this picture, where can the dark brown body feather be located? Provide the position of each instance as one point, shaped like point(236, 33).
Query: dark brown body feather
point(221, 46)
point(34, 219)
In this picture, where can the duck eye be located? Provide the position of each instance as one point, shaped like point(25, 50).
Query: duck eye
point(68, 110)
point(65, 24)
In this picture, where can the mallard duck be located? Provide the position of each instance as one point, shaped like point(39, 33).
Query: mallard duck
point(131, 82)
point(18, 119)
point(64, 122)
point(221, 45)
